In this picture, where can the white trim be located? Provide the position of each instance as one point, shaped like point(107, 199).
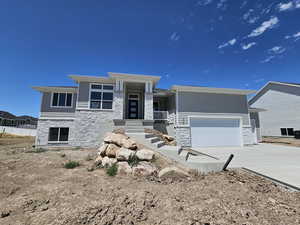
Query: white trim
point(212, 90)
point(220, 117)
point(77, 97)
point(55, 89)
point(134, 77)
point(102, 91)
point(65, 106)
point(57, 118)
point(95, 79)
point(177, 116)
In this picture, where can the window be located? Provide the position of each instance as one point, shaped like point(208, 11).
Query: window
point(58, 134)
point(287, 131)
point(101, 96)
point(290, 131)
point(62, 99)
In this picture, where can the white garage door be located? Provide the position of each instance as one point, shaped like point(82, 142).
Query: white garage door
point(211, 132)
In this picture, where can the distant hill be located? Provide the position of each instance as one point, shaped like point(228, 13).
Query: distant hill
point(8, 115)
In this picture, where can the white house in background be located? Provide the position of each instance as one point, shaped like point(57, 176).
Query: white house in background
point(196, 116)
point(281, 102)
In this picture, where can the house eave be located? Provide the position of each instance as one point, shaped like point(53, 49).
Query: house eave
point(96, 79)
point(134, 77)
point(212, 90)
point(55, 89)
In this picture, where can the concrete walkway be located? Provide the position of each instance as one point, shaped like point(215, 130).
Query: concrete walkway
point(276, 161)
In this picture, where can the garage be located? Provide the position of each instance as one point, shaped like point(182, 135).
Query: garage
point(213, 132)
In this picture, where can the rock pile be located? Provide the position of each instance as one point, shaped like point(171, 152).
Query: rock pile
point(120, 149)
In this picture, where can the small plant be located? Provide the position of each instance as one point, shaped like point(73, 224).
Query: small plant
point(112, 170)
point(133, 160)
point(71, 164)
point(63, 155)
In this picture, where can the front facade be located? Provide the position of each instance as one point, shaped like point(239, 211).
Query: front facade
point(281, 102)
point(196, 116)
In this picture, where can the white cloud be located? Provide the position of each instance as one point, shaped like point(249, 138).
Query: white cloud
point(289, 5)
point(277, 50)
point(268, 59)
point(296, 36)
point(175, 36)
point(249, 17)
point(285, 6)
point(221, 4)
point(204, 2)
point(247, 46)
point(259, 80)
point(269, 24)
point(231, 42)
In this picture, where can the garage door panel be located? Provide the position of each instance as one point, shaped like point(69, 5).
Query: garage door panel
point(215, 132)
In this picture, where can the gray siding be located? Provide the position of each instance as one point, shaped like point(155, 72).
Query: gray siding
point(84, 95)
point(46, 104)
point(283, 107)
point(190, 103)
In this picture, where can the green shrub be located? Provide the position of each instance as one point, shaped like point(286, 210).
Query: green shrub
point(112, 170)
point(133, 160)
point(71, 164)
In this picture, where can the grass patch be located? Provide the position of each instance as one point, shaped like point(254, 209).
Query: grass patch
point(71, 164)
point(112, 170)
point(133, 160)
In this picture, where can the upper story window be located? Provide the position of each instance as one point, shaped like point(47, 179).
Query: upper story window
point(62, 100)
point(101, 96)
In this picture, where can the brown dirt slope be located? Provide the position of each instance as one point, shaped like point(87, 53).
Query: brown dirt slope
point(35, 189)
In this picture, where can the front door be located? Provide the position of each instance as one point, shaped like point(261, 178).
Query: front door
point(133, 106)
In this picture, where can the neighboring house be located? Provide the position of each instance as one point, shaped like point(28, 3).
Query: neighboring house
point(281, 102)
point(8, 119)
point(196, 116)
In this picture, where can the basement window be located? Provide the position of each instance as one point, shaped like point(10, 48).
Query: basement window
point(58, 134)
point(287, 131)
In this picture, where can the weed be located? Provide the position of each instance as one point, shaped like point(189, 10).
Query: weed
point(112, 170)
point(133, 160)
point(63, 155)
point(71, 164)
point(2, 133)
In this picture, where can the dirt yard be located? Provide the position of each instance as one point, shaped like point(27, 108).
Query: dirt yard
point(36, 189)
point(282, 141)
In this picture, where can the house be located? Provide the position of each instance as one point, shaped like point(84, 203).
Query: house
point(281, 102)
point(8, 119)
point(197, 116)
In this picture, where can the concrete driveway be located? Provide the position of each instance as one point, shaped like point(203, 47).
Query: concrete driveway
point(276, 161)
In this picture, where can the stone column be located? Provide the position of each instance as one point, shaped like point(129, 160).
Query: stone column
point(148, 111)
point(119, 100)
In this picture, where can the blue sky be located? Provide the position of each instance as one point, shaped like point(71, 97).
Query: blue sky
point(218, 43)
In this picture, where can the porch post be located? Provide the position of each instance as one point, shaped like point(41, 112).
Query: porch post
point(148, 111)
point(119, 100)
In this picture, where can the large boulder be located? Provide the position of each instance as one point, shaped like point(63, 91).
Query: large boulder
point(98, 161)
point(111, 150)
point(171, 172)
point(123, 154)
point(124, 168)
point(120, 140)
point(106, 162)
point(145, 154)
point(144, 169)
point(102, 149)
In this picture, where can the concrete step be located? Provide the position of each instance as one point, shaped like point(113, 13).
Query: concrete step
point(153, 139)
point(159, 144)
point(149, 135)
point(134, 123)
point(134, 127)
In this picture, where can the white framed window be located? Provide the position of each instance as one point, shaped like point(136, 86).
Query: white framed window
point(62, 100)
point(101, 96)
point(58, 134)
